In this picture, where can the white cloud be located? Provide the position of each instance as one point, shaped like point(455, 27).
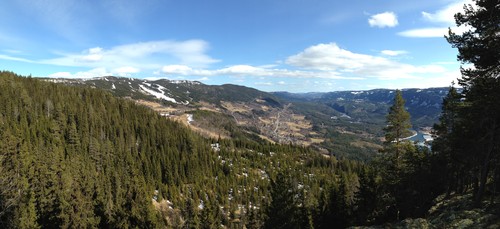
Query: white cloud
point(441, 20)
point(425, 32)
point(386, 19)
point(92, 55)
point(144, 55)
point(325, 61)
point(203, 79)
point(446, 14)
point(330, 57)
point(393, 52)
point(247, 70)
point(96, 72)
point(431, 32)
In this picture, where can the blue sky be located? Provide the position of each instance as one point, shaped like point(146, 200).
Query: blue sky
point(271, 45)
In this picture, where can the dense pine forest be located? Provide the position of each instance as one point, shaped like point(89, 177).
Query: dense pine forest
point(73, 157)
point(76, 157)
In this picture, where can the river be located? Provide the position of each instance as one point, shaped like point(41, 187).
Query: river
point(421, 137)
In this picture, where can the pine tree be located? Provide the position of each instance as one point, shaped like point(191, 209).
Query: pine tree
point(366, 197)
point(398, 125)
point(447, 138)
point(282, 212)
point(192, 218)
point(480, 46)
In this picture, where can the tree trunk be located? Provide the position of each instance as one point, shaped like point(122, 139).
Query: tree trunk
point(485, 166)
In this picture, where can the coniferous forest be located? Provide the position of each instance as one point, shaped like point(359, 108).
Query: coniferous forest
point(73, 157)
point(77, 157)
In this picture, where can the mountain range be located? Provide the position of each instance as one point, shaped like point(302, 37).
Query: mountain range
point(342, 123)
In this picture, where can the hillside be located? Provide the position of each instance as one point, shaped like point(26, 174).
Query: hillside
point(346, 124)
point(80, 158)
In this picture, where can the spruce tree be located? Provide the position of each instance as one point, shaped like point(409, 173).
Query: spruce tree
point(398, 125)
point(283, 209)
point(480, 46)
point(446, 134)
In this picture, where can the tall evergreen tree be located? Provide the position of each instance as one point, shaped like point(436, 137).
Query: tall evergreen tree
point(480, 46)
point(398, 125)
point(282, 212)
point(446, 140)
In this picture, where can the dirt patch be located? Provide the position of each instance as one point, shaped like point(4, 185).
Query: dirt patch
point(235, 107)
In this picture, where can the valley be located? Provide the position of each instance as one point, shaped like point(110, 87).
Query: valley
point(344, 124)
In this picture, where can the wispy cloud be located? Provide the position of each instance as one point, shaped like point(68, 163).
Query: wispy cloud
point(128, 59)
point(440, 20)
point(393, 52)
point(139, 55)
point(425, 32)
point(386, 19)
point(96, 72)
point(13, 58)
point(248, 70)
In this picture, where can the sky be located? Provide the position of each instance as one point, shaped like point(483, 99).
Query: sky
point(271, 45)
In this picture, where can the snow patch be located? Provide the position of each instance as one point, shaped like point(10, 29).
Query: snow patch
point(190, 118)
point(157, 94)
point(345, 116)
point(185, 82)
point(113, 87)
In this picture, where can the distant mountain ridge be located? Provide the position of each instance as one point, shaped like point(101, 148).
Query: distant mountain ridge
point(181, 92)
point(424, 105)
point(347, 123)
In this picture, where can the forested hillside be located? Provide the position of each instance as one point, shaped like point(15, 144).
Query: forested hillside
point(79, 157)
